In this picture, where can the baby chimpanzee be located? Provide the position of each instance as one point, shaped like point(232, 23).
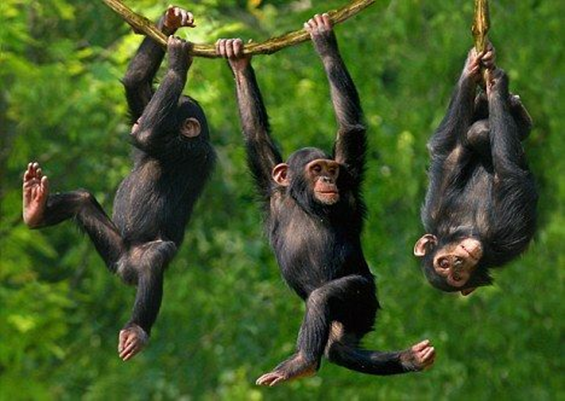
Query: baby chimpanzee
point(480, 210)
point(314, 220)
point(172, 160)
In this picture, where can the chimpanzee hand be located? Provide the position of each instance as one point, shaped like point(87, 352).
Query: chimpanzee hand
point(179, 54)
point(320, 28)
point(488, 58)
point(473, 66)
point(35, 194)
point(497, 83)
point(131, 341)
point(175, 18)
point(232, 49)
point(419, 357)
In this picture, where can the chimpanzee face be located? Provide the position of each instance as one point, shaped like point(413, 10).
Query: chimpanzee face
point(454, 262)
point(457, 261)
point(321, 174)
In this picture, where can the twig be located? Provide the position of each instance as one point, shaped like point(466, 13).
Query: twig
point(146, 27)
point(481, 25)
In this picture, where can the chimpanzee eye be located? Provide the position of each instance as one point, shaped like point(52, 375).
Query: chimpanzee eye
point(443, 263)
point(316, 168)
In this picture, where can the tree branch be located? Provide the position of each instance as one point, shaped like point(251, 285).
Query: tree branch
point(481, 25)
point(146, 27)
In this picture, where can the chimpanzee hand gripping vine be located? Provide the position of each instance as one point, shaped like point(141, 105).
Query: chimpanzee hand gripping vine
point(172, 160)
point(314, 216)
point(480, 209)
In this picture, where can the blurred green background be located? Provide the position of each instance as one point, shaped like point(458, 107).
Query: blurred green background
point(227, 317)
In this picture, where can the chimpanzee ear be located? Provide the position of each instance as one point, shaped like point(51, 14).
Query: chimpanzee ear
point(280, 174)
point(190, 128)
point(424, 245)
point(467, 291)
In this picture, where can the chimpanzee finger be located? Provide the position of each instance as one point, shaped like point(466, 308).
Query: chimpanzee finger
point(327, 20)
point(238, 47)
point(276, 381)
point(421, 345)
point(133, 352)
point(222, 46)
point(128, 348)
point(189, 18)
point(44, 184)
point(427, 354)
point(28, 173)
point(170, 12)
point(319, 20)
point(121, 342)
point(229, 48)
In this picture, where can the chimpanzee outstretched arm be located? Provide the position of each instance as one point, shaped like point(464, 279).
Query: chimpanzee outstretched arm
point(158, 119)
point(262, 154)
point(351, 139)
point(138, 81)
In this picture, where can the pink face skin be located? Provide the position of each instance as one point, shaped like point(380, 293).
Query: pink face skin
point(456, 262)
point(323, 173)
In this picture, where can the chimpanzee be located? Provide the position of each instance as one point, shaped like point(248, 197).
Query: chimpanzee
point(314, 216)
point(172, 160)
point(480, 209)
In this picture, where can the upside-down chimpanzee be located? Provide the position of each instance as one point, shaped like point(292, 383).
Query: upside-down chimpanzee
point(480, 209)
point(314, 220)
point(172, 160)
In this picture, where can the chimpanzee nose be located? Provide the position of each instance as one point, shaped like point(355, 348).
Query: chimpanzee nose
point(326, 179)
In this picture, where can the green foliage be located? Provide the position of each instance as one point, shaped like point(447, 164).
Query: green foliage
point(227, 317)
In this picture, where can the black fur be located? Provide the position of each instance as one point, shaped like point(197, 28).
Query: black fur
point(480, 184)
point(154, 202)
point(318, 246)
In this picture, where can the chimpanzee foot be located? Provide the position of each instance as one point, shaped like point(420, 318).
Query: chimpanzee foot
point(35, 194)
point(419, 357)
point(132, 340)
point(293, 368)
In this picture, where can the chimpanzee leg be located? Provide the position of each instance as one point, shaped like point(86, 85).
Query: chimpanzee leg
point(144, 265)
point(42, 209)
point(315, 328)
point(507, 152)
point(343, 350)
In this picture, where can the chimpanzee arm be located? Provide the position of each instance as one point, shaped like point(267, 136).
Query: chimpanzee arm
point(262, 154)
point(141, 73)
point(159, 117)
point(459, 114)
point(351, 141)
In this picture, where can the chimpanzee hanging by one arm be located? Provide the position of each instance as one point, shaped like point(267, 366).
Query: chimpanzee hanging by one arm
point(314, 219)
point(173, 159)
point(480, 209)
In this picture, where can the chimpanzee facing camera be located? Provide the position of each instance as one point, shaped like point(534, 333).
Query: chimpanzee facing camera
point(314, 217)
